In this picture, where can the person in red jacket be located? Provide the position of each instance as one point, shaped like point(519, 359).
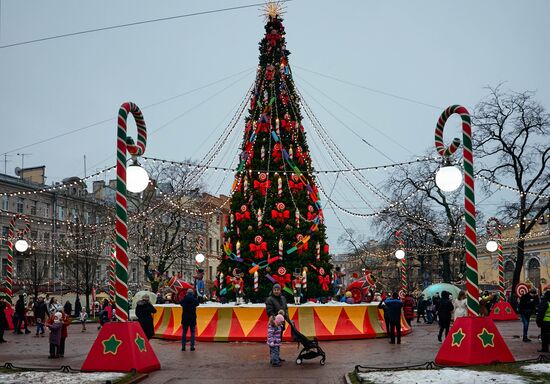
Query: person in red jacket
point(66, 321)
point(408, 308)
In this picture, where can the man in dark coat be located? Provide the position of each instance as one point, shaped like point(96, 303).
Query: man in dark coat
point(68, 308)
point(189, 306)
point(393, 311)
point(144, 313)
point(77, 307)
point(527, 307)
point(421, 307)
point(276, 302)
point(20, 316)
point(444, 312)
point(40, 310)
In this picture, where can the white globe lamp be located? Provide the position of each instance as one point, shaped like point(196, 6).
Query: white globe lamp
point(137, 178)
point(21, 245)
point(199, 258)
point(400, 254)
point(448, 178)
point(492, 246)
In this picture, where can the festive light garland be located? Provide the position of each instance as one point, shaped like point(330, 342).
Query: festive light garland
point(472, 286)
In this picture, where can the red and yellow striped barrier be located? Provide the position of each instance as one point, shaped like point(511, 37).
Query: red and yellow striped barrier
point(249, 322)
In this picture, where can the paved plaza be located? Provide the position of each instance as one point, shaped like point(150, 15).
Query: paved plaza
point(249, 362)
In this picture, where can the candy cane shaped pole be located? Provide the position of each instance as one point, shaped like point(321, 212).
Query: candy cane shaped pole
point(472, 286)
point(112, 279)
point(12, 238)
point(125, 145)
point(493, 224)
point(400, 254)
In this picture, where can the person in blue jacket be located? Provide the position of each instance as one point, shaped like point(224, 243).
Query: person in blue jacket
point(392, 311)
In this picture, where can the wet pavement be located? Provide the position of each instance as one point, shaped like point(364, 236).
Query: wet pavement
point(249, 362)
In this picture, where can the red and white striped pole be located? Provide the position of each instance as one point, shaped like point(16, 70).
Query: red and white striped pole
point(400, 254)
point(12, 238)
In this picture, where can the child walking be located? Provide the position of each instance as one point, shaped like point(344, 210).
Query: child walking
point(274, 336)
point(55, 326)
point(83, 319)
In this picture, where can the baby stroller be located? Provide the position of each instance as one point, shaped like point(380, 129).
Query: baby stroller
point(310, 348)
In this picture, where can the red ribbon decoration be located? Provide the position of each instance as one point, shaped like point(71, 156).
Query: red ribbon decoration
point(269, 72)
point(262, 186)
point(277, 155)
point(263, 127)
point(242, 216)
point(311, 216)
point(303, 248)
point(272, 38)
point(280, 216)
point(258, 250)
point(282, 280)
point(295, 187)
point(325, 249)
point(324, 281)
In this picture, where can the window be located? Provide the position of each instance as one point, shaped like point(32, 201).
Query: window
point(210, 244)
point(533, 271)
point(5, 232)
point(4, 266)
point(134, 274)
point(98, 272)
point(508, 273)
point(5, 203)
point(217, 246)
point(34, 235)
point(210, 273)
point(60, 213)
point(87, 218)
point(33, 208)
point(73, 215)
point(47, 210)
point(20, 267)
point(46, 236)
point(20, 205)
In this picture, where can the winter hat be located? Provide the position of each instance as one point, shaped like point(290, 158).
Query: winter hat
point(279, 319)
point(348, 294)
point(58, 315)
point(277, 286)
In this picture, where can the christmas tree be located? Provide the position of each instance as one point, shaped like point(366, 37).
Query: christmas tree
point(275, 232)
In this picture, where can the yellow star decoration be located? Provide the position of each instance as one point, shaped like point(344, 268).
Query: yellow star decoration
point(111, 345)
point(273, 9)
point(457, 337)
point(487, 338)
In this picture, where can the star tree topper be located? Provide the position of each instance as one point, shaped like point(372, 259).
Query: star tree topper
point(273, 9)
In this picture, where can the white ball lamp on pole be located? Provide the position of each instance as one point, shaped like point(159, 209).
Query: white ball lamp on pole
point(199, 258)
point(137, 178)
point(21, 245)
point(448, 178)
point(400, 254)
point(492, 246)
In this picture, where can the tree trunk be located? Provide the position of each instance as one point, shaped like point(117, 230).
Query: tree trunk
point(446, 269)
point(519, 266)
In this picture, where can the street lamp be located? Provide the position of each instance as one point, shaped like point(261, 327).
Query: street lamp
point(492, 246)
point(400, 254)
point(448, 178)
point(21, 245)
point(199, 258)
point(137, 177)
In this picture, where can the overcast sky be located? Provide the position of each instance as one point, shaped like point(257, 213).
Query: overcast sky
point(432, 53)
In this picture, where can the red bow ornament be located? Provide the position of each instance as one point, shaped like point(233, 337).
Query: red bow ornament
point(303, 248)
point(272, 38)
point(280, 216)
point(262, 186)
point(269, 72)
point(242, 216)
point(324, 281)
point(277, 155)
point(310, 216)
point(258, 250)
point(282, 280)
point(295, 186)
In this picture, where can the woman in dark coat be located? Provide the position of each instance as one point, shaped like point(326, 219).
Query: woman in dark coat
point(144, 313)
point(3, 320)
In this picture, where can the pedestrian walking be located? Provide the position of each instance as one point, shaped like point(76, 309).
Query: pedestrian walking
point(65, 322)
point(189, 306)
point(444, 314)
point(83, 317)
point(430, 310)
point(408, 308)
point(54, 306)
point(68, 308)
point(3, 320)
point(393, 310)
point(543, 321)
point(144, 313)
point(40, 310)
point(274, 337)
point(421, 309)
point(382, 306)
point(528, 304)
point(55, 326)
point(435, 305)
point(460, 306)
point(20, 316)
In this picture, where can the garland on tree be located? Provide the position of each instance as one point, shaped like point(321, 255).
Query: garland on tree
point(275, 228)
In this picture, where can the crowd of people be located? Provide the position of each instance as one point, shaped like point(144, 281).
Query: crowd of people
point(443, 310)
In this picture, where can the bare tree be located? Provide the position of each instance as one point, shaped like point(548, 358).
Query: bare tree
point(424, 214)
point(511, 137)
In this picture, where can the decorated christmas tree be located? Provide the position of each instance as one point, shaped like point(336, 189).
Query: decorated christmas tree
point(275, 232)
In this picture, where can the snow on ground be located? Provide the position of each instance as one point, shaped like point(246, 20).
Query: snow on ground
point(58, 377)
point(537, 368)
point(442, 376)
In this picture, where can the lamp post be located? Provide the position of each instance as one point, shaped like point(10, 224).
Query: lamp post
point(126, 343)
point(472, 339)
point(493, 225)
point(400, 255)
point(21, 245)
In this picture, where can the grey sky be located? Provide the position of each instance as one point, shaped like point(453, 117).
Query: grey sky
point(436, 52)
